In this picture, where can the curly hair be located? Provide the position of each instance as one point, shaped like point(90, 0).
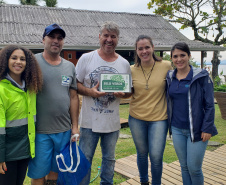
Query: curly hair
point(32, 73)
point(137, 59)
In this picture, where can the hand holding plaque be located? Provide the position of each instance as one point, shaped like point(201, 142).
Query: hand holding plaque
point(115, 82)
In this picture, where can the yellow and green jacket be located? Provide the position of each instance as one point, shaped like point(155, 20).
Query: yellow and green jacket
point(17, 122)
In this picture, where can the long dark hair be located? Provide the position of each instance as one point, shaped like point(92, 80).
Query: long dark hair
point(32, 73)
point(137, 59)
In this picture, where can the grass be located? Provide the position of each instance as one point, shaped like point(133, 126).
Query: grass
point(125, 147)
point(124, 111)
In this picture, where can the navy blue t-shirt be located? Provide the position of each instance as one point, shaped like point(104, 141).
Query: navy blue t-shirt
point(178, 92)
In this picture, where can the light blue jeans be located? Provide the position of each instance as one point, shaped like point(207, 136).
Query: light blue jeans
point(149, 138)
point(190, 155)
point(88, 143)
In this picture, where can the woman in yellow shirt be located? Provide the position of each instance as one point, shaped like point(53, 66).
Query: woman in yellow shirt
point(148, 110)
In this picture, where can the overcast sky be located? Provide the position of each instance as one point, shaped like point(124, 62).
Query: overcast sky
point(138, 6)
point(132, 6)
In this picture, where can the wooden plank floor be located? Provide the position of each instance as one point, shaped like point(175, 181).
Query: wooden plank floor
point(214, 169)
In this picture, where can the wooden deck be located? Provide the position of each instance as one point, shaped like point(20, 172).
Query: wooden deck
point(214, 169)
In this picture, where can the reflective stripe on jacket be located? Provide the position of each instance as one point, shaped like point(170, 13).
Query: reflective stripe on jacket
point(17, 122)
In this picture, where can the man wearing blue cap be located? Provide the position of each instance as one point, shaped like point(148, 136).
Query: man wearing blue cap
point(57, 108)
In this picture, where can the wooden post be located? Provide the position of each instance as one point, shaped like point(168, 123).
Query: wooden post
point(202, 58)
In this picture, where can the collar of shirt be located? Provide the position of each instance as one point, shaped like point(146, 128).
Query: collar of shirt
point(188, 77)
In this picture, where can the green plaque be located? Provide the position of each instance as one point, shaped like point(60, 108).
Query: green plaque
point(115, 82)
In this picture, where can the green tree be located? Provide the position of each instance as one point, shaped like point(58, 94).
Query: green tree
point(194, 14)
point(29, 2)
point(48, 3)
point(2, 2)
point(51, 3)
point(166, 56)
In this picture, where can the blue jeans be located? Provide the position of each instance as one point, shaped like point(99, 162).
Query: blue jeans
point(149, 138)
point(88, 143)
point(190, 155)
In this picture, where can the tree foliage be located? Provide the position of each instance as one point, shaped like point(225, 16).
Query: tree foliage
point(48, 3)
point(2, 2)
point(207, 18)
point(29, 2)
point(51, 3)
point(195, 14)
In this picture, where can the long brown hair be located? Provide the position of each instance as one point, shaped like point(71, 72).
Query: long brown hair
point(32, 73)
point(137, 59)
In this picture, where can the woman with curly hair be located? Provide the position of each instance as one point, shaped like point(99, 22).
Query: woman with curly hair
point(20, 80)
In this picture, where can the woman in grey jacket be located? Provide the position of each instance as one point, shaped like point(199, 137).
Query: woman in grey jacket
point(191, 111)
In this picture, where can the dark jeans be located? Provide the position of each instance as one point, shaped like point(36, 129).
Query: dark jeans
point(16, 172)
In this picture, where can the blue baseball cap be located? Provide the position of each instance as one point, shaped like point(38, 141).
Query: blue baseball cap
point(53, 27)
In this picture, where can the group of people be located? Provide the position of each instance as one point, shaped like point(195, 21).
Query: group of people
point(179, 100)
point(162, 99)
